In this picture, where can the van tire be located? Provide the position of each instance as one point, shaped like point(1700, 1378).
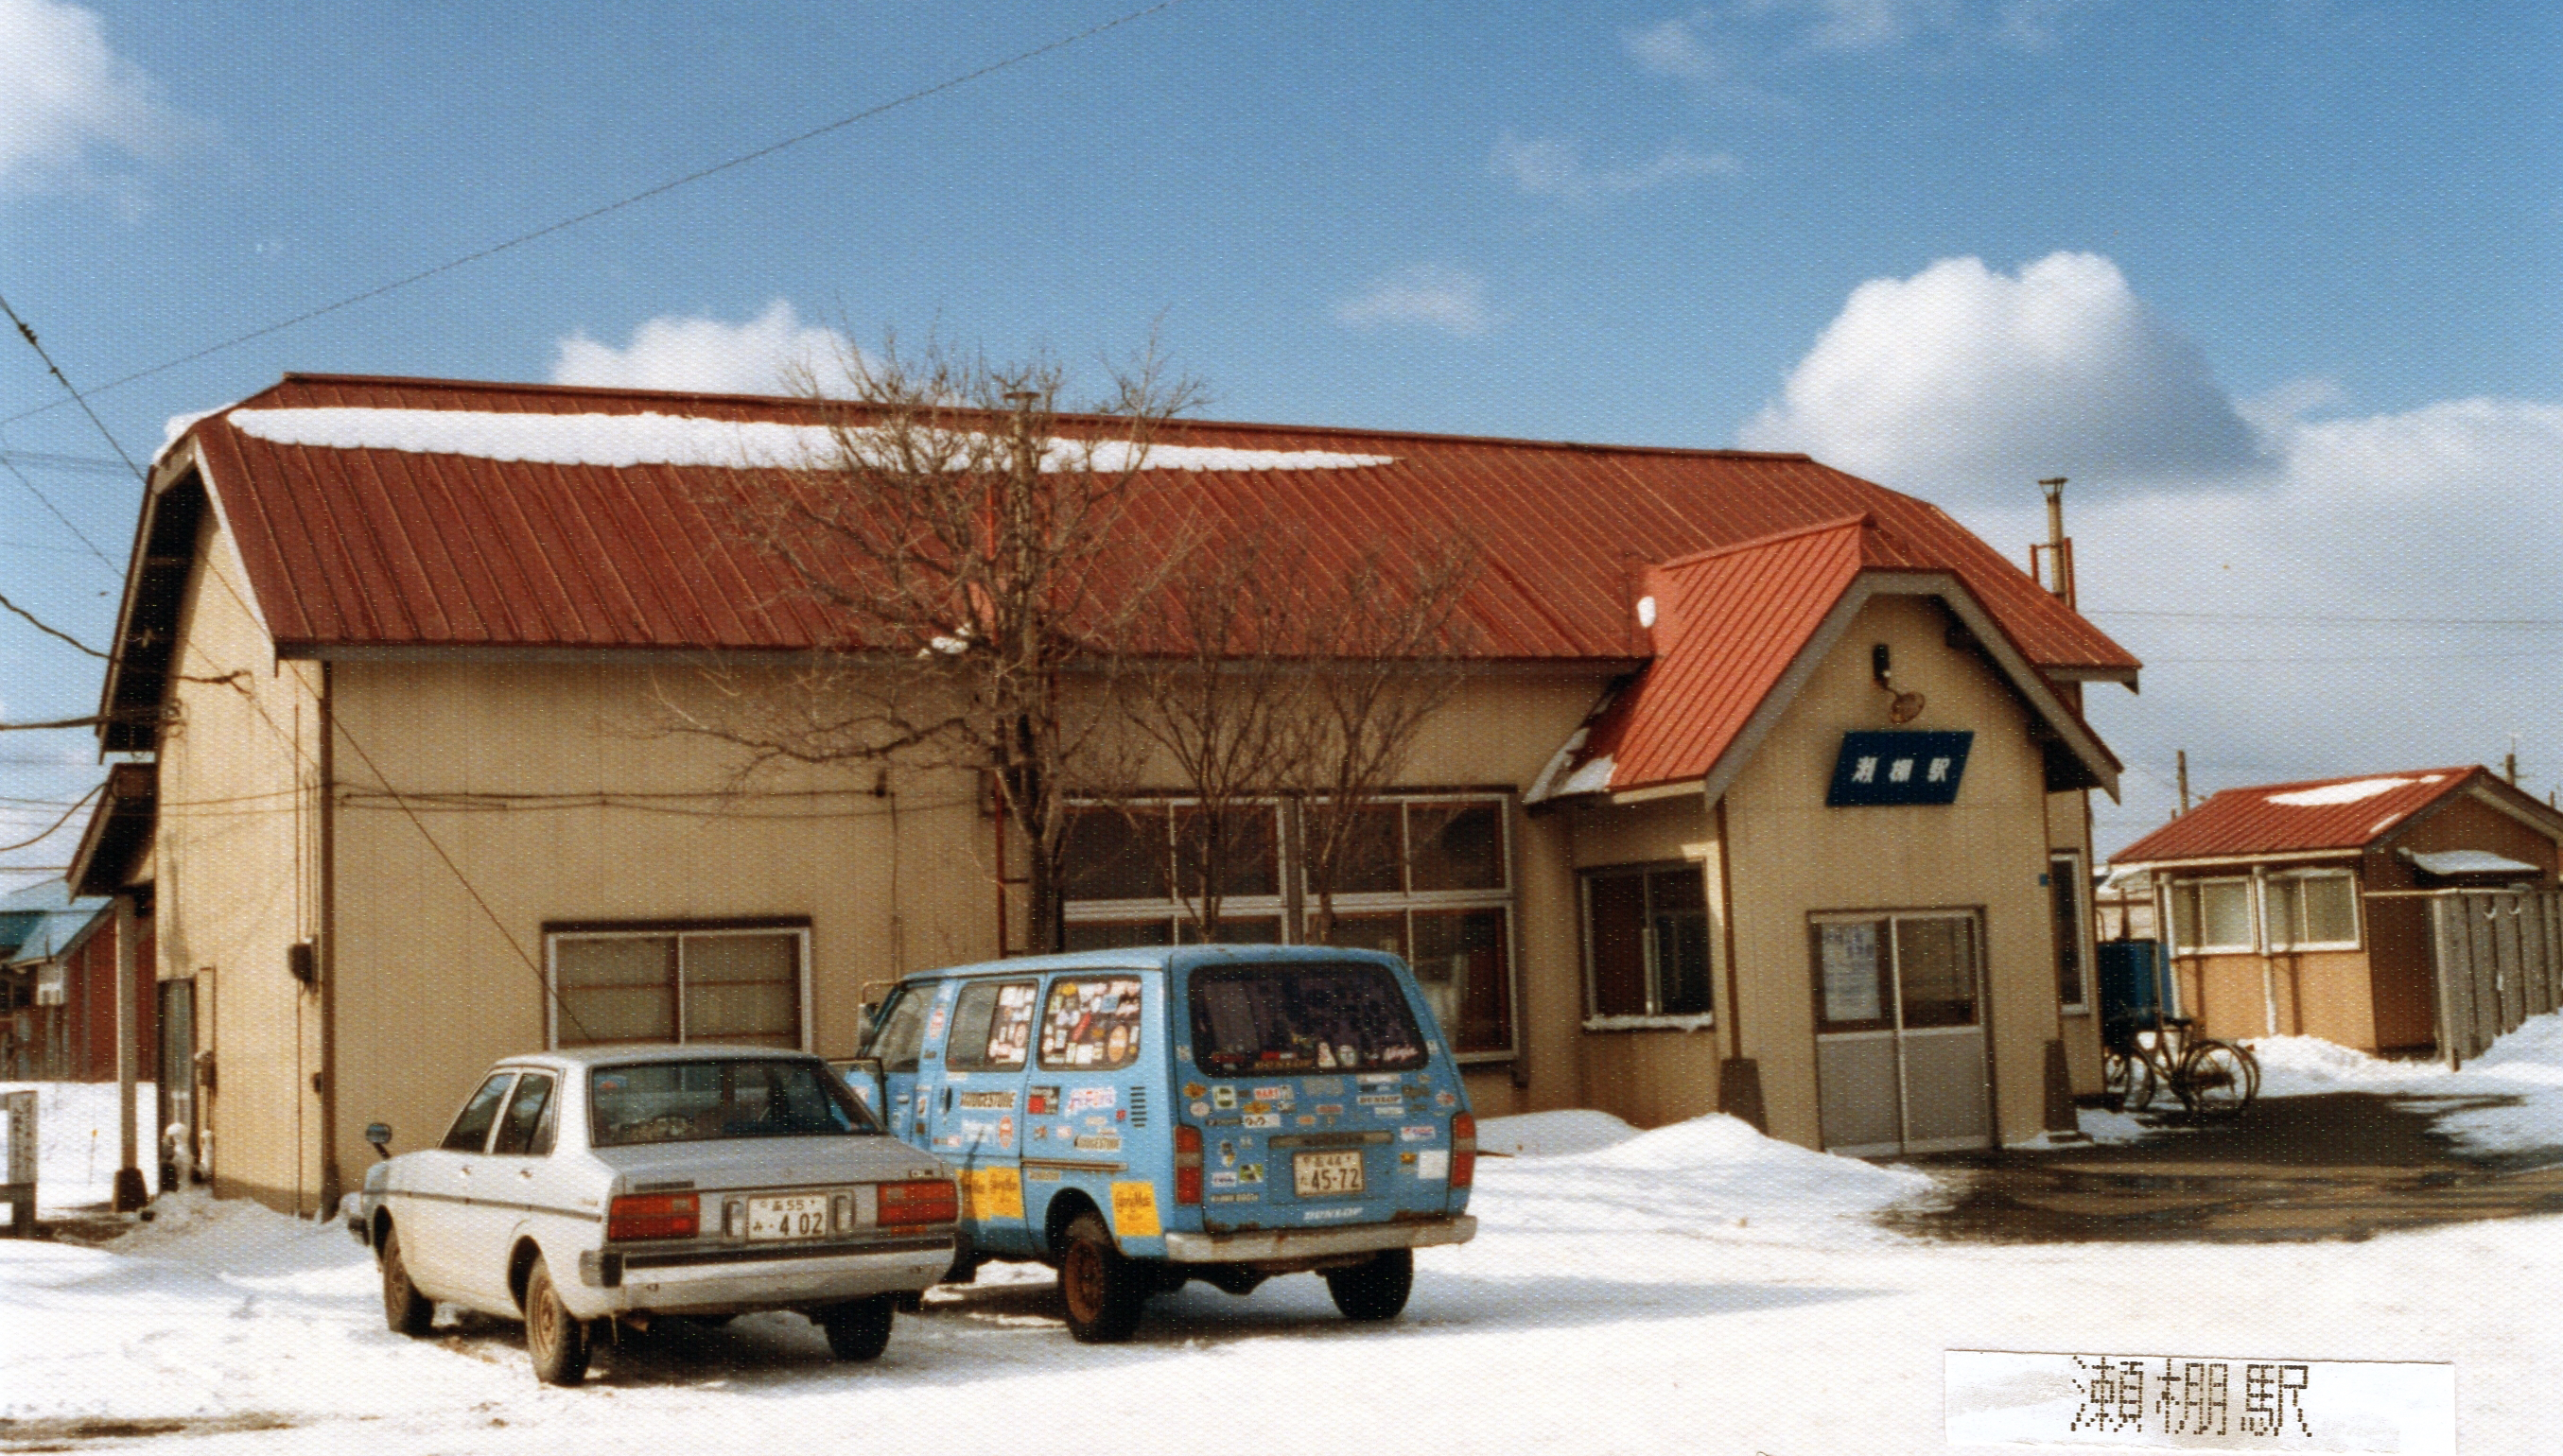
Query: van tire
point(1103, 1290)
point(1375, 1289)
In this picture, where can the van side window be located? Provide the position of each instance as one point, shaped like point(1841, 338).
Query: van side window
point(1090, 1024)
point(992, 1026)
point(900, 1032)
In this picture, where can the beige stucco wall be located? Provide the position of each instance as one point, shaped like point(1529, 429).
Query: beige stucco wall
point(1987, 851)
point(235, 866)
point(1650, 1076)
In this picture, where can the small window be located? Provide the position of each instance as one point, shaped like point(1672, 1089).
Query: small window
point(1648, 942)
point(2065, 897)
point(470, 1131)
point(900, 1032)
point(2212, 915)
point(992, 1026)
point(1090, 1024)
point(527, 1128)
point(2317, 908)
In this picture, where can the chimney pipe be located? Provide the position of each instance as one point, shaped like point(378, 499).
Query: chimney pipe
point(2059, 547)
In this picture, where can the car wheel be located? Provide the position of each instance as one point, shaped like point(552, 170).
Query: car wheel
point(405, 1310)
point(1376, 1288)
point(1103, 1290)
point(554, 1337)
point(858, 1330)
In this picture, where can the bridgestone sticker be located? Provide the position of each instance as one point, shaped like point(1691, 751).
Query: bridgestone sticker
point(2190, 1402)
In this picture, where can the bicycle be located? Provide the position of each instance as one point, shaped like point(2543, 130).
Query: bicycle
point(2146, 1056)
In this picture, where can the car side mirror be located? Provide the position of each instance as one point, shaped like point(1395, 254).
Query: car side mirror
point(381, 1134)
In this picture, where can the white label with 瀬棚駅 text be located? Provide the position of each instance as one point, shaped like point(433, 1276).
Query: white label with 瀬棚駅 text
point(2194, 1402)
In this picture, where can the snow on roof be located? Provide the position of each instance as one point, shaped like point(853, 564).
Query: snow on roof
point(651, 439)
point(2469, 861)
point(2349, 792)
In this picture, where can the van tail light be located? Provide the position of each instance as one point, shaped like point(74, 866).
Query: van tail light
point(652, 1215)
point(1188, 1165)
point(1464, 1151)
point(927, 1201)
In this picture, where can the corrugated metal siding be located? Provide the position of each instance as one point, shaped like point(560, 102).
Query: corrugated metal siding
point(2239, 822)
point(373, 547)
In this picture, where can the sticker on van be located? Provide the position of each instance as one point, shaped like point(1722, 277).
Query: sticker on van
point(1134, 1210)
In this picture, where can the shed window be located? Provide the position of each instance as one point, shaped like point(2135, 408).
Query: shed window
point(2064, 886)
point(2314, 909)
point(725, 983)
point(2212, 915)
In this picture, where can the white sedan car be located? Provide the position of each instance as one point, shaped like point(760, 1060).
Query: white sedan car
point(622, 1182)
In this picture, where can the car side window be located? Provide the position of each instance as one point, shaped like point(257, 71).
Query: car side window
point(901, 1031)
point(470, 1131)
point(526, 1131)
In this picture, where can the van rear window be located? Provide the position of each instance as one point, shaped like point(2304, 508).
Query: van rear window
point(1300, 1016)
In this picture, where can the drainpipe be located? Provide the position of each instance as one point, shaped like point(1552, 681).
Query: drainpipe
point(325, 1080)
point(2261, 933)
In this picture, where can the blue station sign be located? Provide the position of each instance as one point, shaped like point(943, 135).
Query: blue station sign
point(1898, 766)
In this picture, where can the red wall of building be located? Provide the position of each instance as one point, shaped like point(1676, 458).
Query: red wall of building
point(90, 1006)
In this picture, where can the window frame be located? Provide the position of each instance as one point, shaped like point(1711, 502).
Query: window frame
point(2284, 880)
point(1891, 970)
point(2086, 930)
point(1655, 1018)
point(2196, 889)
point(555, 932)
point(1294, 904)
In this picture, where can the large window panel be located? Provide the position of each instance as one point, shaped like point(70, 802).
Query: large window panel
point(729, 984)
point(1462, 957)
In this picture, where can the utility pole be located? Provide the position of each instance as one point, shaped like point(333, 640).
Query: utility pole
point(2510, 764)
point(2183, 755)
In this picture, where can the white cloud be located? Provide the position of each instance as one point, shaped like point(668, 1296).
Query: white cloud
point(1674, 47)
point(1451, 300)
point(699, 353)
point(67, 100)
point(1551, 167)
point(1963, 383)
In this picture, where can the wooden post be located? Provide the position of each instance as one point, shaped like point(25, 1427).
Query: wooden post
point(130, 1190)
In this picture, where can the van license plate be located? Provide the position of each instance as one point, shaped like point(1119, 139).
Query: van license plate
point(794, 1215)
point(1314, 1175)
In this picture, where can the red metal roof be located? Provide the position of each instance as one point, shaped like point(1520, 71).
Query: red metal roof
point(2316, 813)
point(1730, 625)
point(411, 548)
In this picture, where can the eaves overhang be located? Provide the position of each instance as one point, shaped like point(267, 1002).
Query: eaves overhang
point(118, 833)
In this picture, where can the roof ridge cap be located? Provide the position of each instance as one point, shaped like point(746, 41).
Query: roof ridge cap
point(1861, 519)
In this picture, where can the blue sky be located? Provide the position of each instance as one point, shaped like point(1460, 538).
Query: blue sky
point(2274, 284)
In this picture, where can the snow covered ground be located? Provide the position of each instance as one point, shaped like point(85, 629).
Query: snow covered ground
point(1693, 1289)
point(77, 1151)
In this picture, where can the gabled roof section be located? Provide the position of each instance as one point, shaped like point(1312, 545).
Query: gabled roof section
point(1737, 631)
point(2325, 814)
point(396, 515)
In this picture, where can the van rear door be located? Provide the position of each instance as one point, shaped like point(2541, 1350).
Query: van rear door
point(977, 1121)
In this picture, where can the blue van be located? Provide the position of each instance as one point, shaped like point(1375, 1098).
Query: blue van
point(1138, 1118)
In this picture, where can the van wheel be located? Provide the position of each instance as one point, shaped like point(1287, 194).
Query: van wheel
point(1103, 1290)
point(1376, 1288)
point(556, 1339)
point(858, 1330)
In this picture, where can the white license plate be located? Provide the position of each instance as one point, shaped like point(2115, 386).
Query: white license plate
point(792, 1215)
point(1315, 1175)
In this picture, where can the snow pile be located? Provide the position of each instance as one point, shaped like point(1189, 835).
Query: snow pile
point(652, 439)
point(1552, 1134)
point(77, 1149)
point(2520, 1075)
point(1710, 1170)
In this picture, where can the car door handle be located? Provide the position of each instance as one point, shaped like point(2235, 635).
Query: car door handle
point(947, 1099)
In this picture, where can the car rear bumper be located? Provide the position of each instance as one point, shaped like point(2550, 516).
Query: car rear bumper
point(1303, 1243)
point(740, 1279)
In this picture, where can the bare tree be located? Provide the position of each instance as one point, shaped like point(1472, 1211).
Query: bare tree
point(1285, 674)
point(974, 554)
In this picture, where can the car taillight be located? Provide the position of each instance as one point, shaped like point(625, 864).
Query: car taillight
point(931, 1201)
point(654, 1215)
point(1464, 1151)
point(1188, 1165)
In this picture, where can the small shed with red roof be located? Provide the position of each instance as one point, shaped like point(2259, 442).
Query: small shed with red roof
point(2306, 908)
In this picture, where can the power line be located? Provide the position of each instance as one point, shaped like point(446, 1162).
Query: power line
point(594, 213)
point(29, 334)
point(2324, 618)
